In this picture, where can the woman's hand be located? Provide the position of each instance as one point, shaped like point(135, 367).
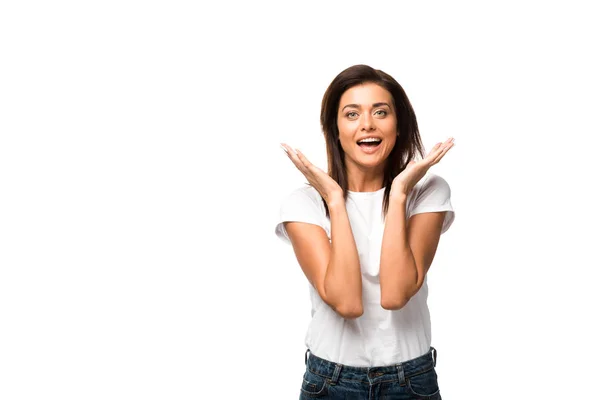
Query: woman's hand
point(415, 170)
point(325, 185)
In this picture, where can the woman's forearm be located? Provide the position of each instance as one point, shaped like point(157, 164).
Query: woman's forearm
point(343, 279)
point(397, 268)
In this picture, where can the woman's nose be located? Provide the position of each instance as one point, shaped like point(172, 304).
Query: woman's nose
point(367, 123)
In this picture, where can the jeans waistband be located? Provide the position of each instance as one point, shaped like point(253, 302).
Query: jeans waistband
point(406, 369)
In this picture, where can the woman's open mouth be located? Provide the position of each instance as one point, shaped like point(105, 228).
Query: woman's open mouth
point(370, 146)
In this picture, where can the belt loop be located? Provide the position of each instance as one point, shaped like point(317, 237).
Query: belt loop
point(306, 356)
point(434, 355)
point(400, 373)
point(336, 373)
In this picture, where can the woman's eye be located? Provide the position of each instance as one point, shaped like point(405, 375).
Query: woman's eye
point(350, 114)
point(383, 112)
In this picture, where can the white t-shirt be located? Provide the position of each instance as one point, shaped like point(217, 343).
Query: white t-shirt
point(378, 337)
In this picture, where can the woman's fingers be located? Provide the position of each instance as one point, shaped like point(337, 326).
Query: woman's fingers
point(290, 153)
point(293, 155)
point(316, 177)
point(309, 170)
point(441, 151)
point(304, 160)
point(287, 149)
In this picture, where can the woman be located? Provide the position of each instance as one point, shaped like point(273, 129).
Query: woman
point(365, 234)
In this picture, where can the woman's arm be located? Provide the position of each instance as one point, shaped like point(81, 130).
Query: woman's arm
point(343, 280)
point(407, 251)
point(332, 268)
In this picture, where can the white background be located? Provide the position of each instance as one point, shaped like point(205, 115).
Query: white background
point(141, 176)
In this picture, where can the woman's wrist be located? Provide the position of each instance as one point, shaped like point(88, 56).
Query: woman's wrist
point(335, 200)
point(398, 196)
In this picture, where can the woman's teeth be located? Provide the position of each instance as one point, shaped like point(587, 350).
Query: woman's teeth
point(369, 147)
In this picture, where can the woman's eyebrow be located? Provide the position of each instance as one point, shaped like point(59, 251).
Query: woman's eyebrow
point(374, 105)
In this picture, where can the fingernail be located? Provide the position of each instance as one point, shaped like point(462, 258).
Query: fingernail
point(284, 149)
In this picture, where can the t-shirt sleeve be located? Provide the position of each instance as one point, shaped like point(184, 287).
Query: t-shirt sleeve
point(434, 195)
point(298, 206)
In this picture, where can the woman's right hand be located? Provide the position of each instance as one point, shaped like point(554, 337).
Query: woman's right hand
point(325, 185)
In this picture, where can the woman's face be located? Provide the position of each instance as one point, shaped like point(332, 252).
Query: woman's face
point(365, 111)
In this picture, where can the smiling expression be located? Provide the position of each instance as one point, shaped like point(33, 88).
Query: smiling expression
point(366, 110)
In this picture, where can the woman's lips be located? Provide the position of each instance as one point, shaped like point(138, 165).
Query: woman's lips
point(369, 149)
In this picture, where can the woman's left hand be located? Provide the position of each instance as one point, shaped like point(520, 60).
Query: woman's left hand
point(415, 170)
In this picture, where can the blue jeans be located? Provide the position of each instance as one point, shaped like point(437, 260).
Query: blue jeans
point(412, 379)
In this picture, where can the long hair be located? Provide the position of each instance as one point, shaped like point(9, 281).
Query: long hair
point(408, 142)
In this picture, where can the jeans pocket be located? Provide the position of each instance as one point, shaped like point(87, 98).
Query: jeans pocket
point(424, 385)
point(314, 385)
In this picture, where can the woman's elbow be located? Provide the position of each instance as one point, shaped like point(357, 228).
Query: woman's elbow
point(393, 305)
point(351, 312)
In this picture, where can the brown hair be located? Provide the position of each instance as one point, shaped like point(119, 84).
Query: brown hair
point(408, 142)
